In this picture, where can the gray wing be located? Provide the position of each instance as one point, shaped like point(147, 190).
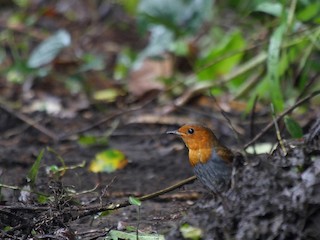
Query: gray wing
point(215, 174)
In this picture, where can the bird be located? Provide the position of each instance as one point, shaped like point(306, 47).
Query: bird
point(211, 161)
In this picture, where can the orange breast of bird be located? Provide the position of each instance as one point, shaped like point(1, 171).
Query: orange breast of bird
point(197, 156)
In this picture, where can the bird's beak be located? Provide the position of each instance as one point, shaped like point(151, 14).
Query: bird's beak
point(174, 132)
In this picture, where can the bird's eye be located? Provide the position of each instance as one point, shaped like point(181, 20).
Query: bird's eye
point(190, 130)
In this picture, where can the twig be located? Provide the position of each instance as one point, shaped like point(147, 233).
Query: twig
point(249, 84)
point(311, 81)
point(30, 122)
point(113, 206)
point(21, 189)
point(298, 103)
point(104, 120)
point(223, 113)
point(26, 208)
point(252, 119)
point(278, 130)
point(252, 63)
point(168, 189)
point(104, 190)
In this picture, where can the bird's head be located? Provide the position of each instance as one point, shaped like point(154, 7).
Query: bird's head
point(196, 136)
point(201, 143)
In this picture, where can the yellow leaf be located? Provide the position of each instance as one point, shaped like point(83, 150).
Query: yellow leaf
point(108, 161)
point(108, 95)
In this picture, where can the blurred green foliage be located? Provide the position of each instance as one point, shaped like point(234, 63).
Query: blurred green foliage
point(218, 38)
point(287, 31)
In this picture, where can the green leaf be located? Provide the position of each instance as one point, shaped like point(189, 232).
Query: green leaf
point(7, 228)
point(134, 201)
point(168, 21)
point(104, 213)
point(33, 173)
point(130, 6)
point(52, 169)
point(108, 161)
point(43, 199)
point(49, 49)
point(219, 59)
point(90, 140)
point(271, 8)
point(293, 127)
point(179, 17)
point(190, 232)
point(311, 11)
point(273, 67)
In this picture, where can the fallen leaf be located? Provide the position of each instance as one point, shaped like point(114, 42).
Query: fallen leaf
point(145, 78)
point(108, 95)
point(108, 161)
point(190, 232)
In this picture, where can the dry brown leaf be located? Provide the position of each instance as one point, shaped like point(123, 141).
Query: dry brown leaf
point(145, 79)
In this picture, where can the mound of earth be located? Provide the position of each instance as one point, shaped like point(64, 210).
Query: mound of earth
point(274, 196)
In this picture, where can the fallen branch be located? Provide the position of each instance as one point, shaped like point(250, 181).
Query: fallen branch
point(113, 206)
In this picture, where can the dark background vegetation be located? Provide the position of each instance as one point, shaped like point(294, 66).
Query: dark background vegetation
point(88, 89)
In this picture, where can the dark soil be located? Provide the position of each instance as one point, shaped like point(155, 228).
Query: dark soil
point(274, 196)
point(156, 160)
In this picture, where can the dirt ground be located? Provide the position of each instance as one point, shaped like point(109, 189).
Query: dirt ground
point(156, 160)
point(261, 202)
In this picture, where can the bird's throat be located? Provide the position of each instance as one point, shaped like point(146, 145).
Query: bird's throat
point(199, 155)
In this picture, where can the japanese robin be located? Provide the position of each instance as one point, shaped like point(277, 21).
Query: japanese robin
point(211, 161)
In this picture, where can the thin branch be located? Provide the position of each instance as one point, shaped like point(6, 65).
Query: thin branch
point(113, 206)
point(278, 134)
point(29, 121)
point(26, 208)
point(307, 87)
point(270, 125)
point(168, 189)
point(251, 64)
point(223, 113)
point(106, 119)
